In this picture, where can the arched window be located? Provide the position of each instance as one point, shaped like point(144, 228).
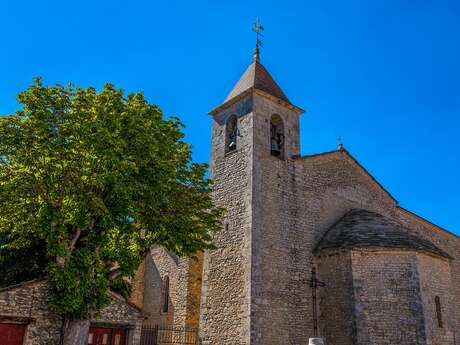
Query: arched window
point(437, 302)
point(277, 136)
point(166, 295)
point(231, 133)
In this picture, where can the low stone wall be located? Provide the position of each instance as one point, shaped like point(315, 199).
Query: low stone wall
point(27, 304)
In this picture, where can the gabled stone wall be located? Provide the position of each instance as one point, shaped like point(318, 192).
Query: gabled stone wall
point(160, 264)
point(27, 303)
point(294, 204)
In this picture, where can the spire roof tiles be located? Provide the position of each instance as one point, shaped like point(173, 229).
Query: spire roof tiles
point(256, 76)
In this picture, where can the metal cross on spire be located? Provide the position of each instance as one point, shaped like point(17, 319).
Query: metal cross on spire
point(257, 28)
point(340, 143)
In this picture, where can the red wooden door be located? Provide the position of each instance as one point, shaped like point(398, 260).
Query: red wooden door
point(11, 334)
point(106, 336)
point(118, 337)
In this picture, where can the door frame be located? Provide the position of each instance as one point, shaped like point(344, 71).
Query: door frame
point(114, 328)
point(23, 324)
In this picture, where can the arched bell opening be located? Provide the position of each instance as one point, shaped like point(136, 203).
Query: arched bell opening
point(277, 136)
point(231, 134)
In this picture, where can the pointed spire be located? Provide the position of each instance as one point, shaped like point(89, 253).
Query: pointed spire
point(256, 77)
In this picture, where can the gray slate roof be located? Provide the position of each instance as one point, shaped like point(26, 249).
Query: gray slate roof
point(366, 229)
point(258, 77)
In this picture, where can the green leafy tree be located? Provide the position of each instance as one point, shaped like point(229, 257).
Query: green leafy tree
point(25, 260)
point(97, 178)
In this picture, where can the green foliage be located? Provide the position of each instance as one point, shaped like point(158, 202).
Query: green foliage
point(21, 260)
point(98, 178)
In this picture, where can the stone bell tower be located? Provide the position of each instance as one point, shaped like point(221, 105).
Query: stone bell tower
point(255, 134)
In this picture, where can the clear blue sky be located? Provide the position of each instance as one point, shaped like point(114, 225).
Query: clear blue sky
point(383, 74)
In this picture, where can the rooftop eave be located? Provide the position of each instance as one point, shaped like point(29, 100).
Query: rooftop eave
point(253, 90)
point(334, 250)
point(427, 222)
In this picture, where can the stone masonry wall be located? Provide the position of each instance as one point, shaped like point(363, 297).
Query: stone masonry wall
point(181, 289)
point(332, 183)
point(225, 307)
point(137, 286)
point(188, 292)
point(295, 201)
point(184, 289)
point(121, 314)
point(451, 245)
point(27, 303)
point(30, 301)
point(388, 301)
point(254, 285)
point(159, 264)
point(194, 291)
point(329, 186)
point(336, 302)
point(280, 263)
point(435, 280)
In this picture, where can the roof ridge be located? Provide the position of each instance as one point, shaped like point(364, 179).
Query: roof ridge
point(24, 283)
point(125, 300)
point(424, 220)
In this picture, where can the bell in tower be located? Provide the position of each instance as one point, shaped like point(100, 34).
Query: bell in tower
point(277, 136)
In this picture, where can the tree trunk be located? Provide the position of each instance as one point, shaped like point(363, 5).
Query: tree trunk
point(75, 332)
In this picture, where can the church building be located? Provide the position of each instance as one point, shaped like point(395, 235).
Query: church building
point(310, 245)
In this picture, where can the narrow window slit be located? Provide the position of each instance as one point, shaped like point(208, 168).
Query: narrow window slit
point(437, 301)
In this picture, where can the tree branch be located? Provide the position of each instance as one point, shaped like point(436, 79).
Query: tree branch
point(75, 238)
point(115, 272)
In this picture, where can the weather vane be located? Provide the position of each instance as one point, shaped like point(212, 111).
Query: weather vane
point(257, 28)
